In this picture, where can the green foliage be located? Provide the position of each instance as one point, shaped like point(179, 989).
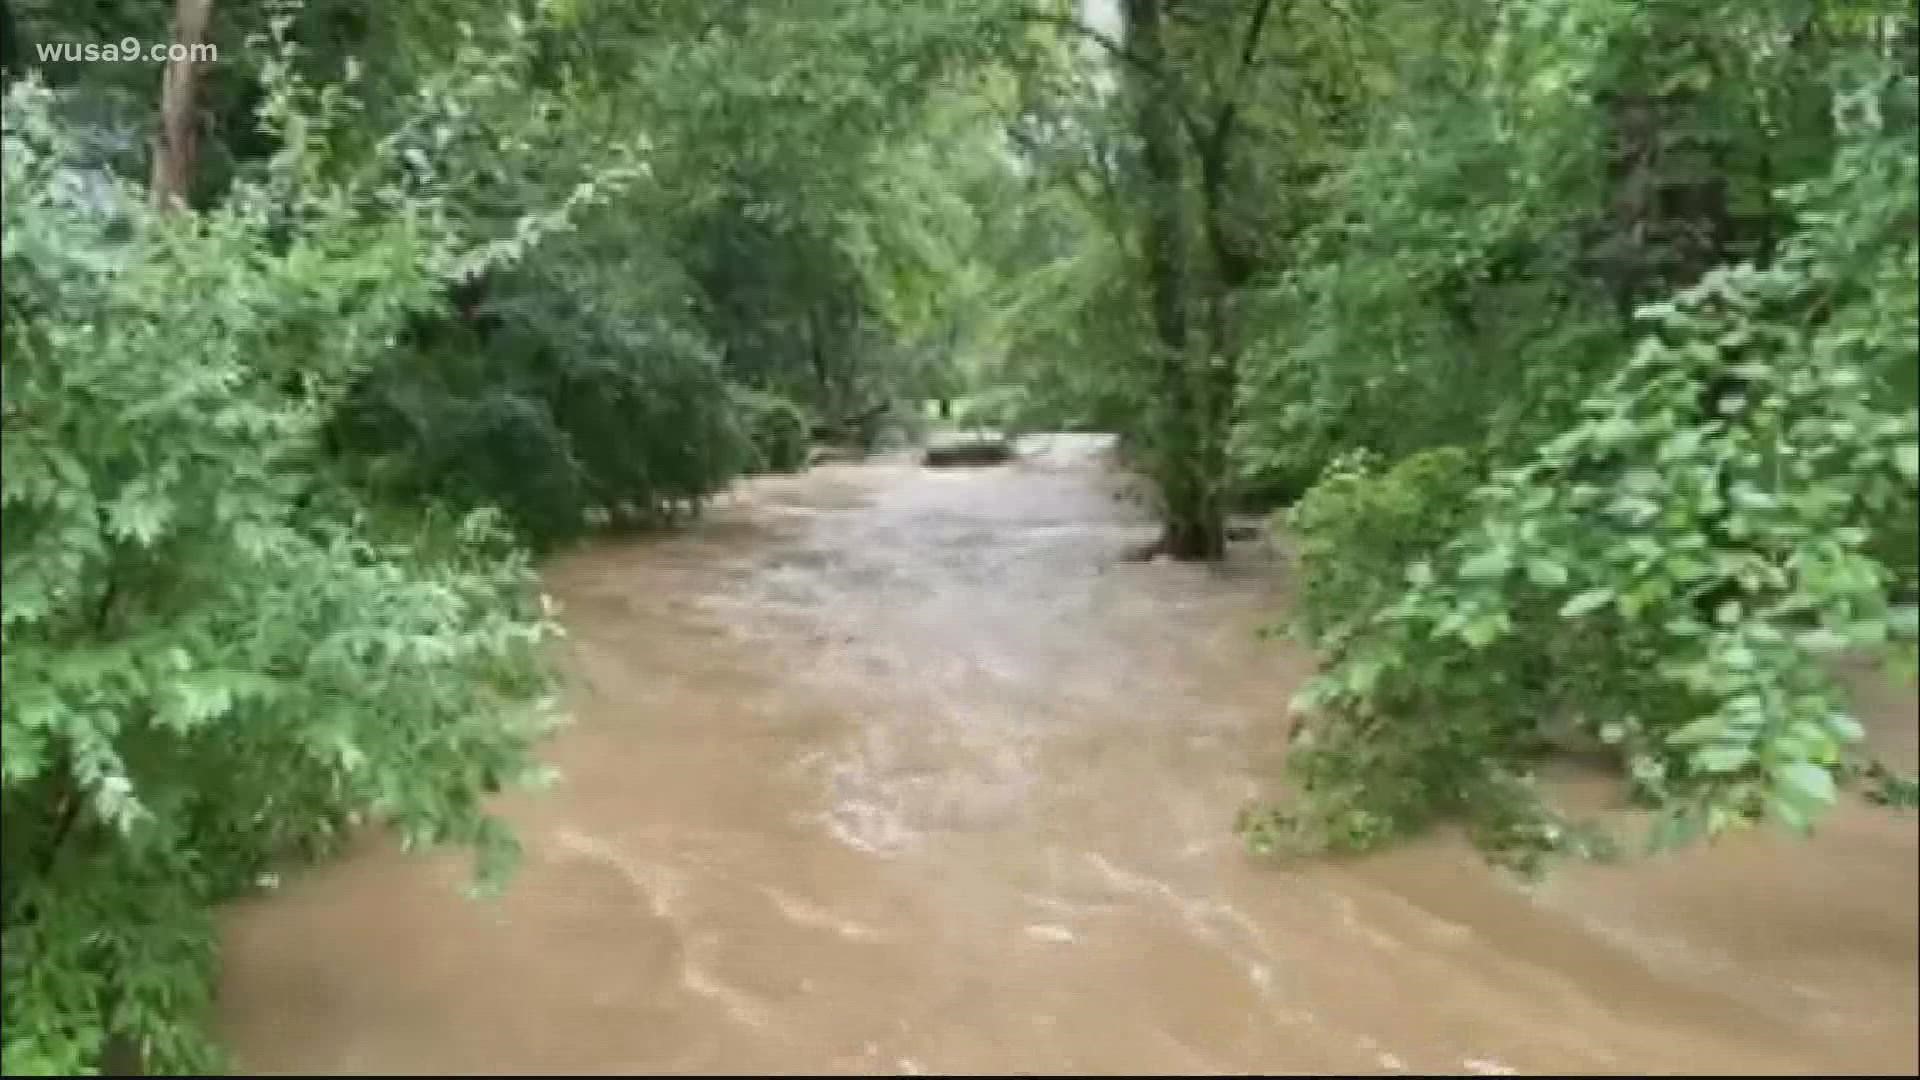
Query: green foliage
point(1360, 533)
point(227, 643)
point(1669, 573)
point(562, 412)
point(217, 656)
point(1439, 296)
point(771, 238)
point(1020, 408)
point(995, 408)
point(1073, 321)
point(572, 390)
point(779, 430)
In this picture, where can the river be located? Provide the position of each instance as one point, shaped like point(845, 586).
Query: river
point(881, 769)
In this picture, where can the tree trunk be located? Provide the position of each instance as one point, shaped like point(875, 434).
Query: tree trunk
point(1166, 201)
point(1192, 518)
point(175, 148)
point(13, 51)
point(822, 370)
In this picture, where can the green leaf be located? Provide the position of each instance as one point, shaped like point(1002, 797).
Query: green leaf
point(1822, 640)
point(1906, 458)
point(1844, 728)
point(1586, 602)
point(1867, 633)
point(1486, 564)
point(1788, 812)
point(1482, 630)
point(1546, 573)
point(1363, 675)
point(1808, 784)
point(140, 515)
point(1722, 759)
point(1711, 726)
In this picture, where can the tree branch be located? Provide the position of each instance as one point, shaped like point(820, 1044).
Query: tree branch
point(1230, 101)
point(1105, 41)
point(1213, 151)
point(1251, 46)
point(1119, 50)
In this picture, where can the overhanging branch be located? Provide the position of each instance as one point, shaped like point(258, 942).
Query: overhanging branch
point(1119, 51)
point(1230, 101)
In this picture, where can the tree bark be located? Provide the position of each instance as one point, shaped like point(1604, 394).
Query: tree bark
point(1192, 522)
point(176, 146)
point(1233, 263)
point(13, 51)
point(1166, 225)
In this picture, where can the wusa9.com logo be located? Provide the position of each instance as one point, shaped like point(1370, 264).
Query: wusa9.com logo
point(125, 51)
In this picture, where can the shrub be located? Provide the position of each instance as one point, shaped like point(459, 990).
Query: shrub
point(558, 413)
point(994, 408)
point(779, 430)
point(1668, 575)
point(1359, 532)
point(216, 655)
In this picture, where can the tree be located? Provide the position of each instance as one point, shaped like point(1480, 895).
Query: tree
point(174, 153)
point(219, 657)
point(441, 261)
point(1572, 484)
point(1195, 221)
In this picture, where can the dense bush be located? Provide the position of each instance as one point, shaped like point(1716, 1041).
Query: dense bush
point(1441, 296)
point(994, 408)
point(216, 654)
point(779, 430)
point(559, 412)
point(259, 585)
point(1668, 574)
point(1358, 533)
point(569, 390)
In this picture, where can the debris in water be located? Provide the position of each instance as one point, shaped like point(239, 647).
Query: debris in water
point(967, 450)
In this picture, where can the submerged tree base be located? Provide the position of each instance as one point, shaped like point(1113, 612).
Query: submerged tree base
point(1187, 545)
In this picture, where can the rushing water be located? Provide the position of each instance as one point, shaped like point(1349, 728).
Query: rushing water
point(882, 769)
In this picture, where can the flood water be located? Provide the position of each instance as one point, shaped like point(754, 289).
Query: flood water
point(887, 770)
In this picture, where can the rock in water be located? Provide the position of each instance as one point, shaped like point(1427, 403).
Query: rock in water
point(961, 451)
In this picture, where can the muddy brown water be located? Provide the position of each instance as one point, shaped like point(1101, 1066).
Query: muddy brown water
point(889, 770)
